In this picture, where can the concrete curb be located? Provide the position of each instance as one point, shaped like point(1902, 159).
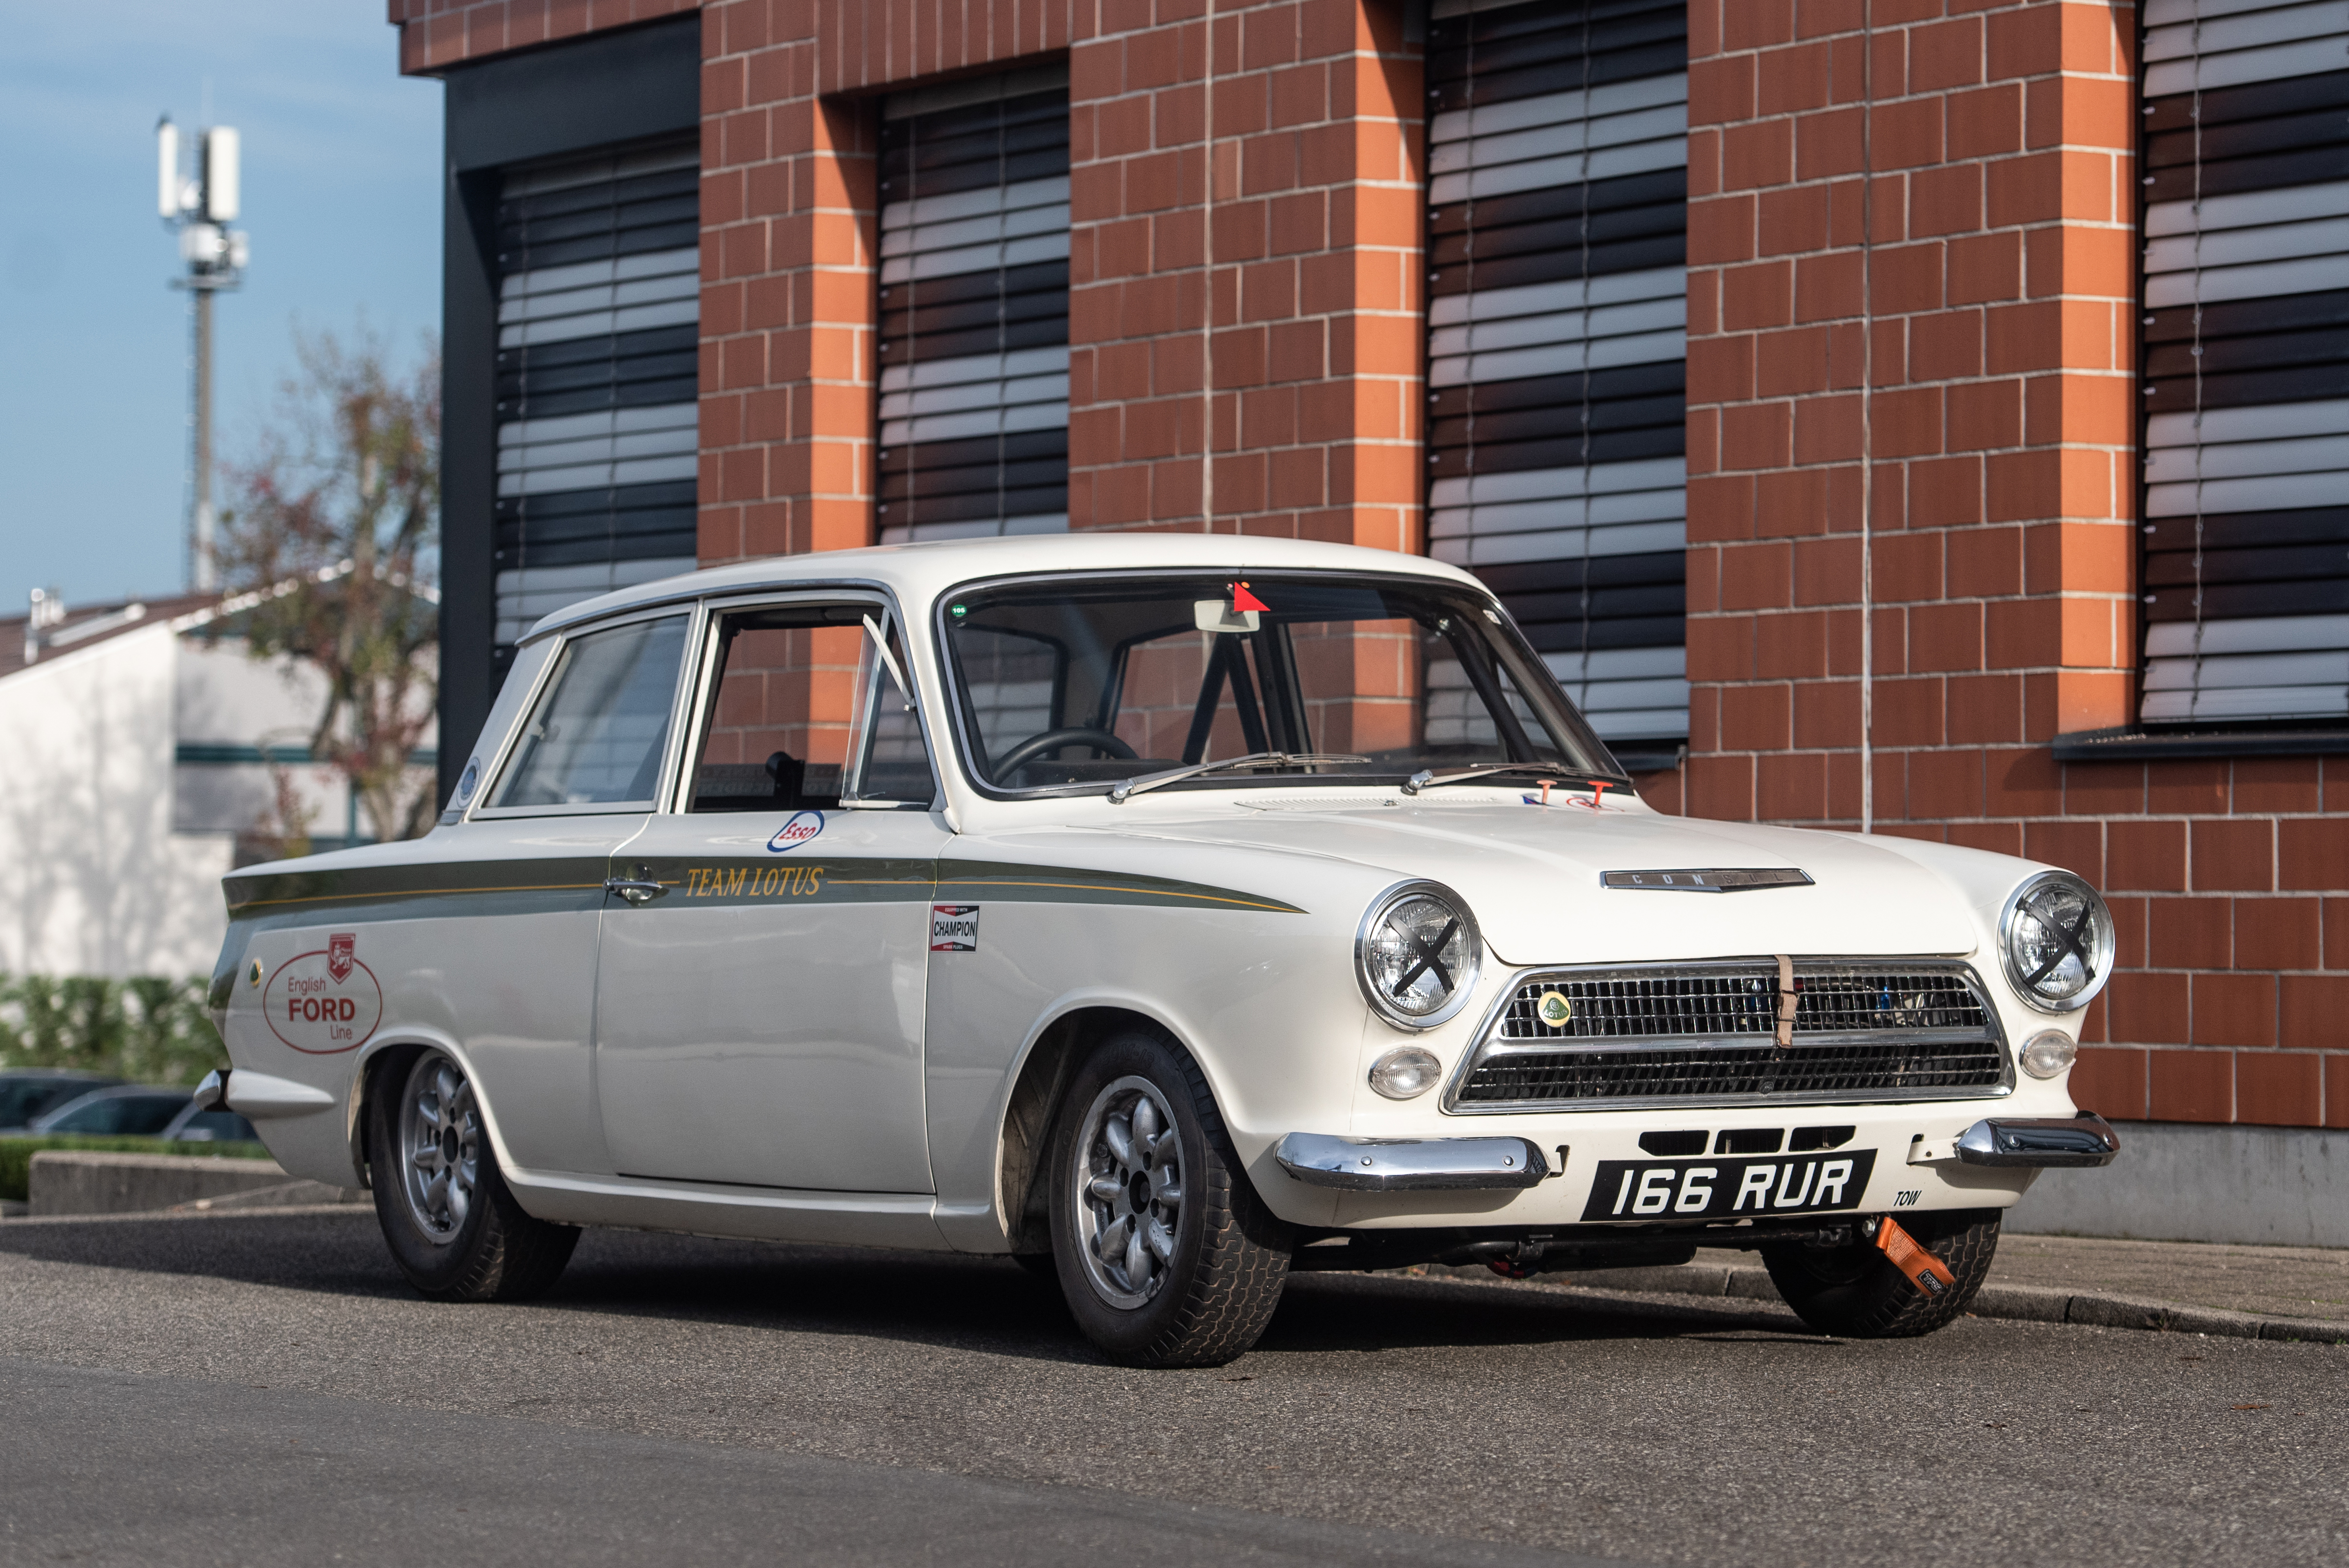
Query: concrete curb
point(2023, 1303)
point(186, 1215)
point(72, 1183)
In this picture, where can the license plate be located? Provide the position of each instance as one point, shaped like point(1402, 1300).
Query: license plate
point(1729, 1189)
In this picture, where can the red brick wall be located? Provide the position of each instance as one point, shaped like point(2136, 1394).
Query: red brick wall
point(434, 34)
point(1989, 313)
point(1314, 252)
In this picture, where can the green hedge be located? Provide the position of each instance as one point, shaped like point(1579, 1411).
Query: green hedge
point(16, 1154)
point(148, 1030)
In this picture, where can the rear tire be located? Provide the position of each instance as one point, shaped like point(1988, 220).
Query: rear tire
point(1855, 1293)
point(451, 1223)
point(1164, 1252)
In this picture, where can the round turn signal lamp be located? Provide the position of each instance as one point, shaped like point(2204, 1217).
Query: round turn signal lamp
point(1405, 1073)
point(2048, 1052)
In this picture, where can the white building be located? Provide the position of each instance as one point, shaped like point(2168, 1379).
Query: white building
point(136, 742)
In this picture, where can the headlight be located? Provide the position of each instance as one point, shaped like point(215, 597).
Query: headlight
point(1416, 955)
point(2049, 1052)
point(2058, 940)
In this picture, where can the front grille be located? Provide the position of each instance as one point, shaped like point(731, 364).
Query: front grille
point(1707, 1033)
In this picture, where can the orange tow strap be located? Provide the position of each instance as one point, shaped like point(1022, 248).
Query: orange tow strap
point(1929, 1273)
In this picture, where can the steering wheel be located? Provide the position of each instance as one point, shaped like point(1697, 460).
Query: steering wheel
point(1035, 746)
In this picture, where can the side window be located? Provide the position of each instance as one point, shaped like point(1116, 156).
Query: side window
point(892, 765)
point(776, 735)
point(596, 736)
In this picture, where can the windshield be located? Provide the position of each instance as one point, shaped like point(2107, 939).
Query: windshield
point(1073, 682)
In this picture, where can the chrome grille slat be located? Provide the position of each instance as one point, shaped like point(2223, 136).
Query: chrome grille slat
point(1690, 1034)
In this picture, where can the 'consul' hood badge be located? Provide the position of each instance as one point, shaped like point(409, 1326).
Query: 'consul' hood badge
point(1710, 880)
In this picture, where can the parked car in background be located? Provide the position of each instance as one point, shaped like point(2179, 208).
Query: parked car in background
point(1171, 911)
point(126, 1110)
point(26, 1093)
point(198, 1125)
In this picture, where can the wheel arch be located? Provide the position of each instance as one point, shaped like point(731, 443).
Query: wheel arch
point(371, 1077)
point(1025, 1131)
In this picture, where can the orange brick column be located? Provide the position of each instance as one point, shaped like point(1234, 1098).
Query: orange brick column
point(1974, 349)
point(1315, 256)
point(789, 313)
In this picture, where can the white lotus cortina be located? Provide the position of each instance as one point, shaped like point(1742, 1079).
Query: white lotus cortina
point(1166, 912)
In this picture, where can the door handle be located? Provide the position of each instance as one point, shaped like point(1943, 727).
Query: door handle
point(635, 892)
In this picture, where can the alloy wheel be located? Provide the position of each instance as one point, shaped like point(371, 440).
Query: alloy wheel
point(1128, 1190)
point(441, 1147)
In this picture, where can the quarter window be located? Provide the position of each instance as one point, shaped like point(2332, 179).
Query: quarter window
point(595, 738)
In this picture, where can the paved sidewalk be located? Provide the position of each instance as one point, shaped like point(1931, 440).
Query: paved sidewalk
point(2248, 1293)
point(2277, 1281)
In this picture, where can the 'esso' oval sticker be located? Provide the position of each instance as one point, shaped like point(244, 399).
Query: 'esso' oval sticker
point(323, 1001)
point(804, 826)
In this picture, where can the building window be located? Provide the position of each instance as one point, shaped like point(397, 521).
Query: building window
point(1557, 312)
point(975, 308)
point(2246, 364)
point(598, 280)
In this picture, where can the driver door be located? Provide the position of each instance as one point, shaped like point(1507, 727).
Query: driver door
point(759, 995)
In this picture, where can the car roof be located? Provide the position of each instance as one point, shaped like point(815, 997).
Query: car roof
point(125, 1090)
point(917, 573)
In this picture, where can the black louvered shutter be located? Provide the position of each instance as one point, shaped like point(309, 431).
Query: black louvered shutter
point(974, 309)
point(599, 311)
point(1558, 224)
point(2246, 362)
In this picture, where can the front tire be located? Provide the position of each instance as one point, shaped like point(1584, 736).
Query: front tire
point(451, 1223)
point(1855, 1293)
point(1166, 1254)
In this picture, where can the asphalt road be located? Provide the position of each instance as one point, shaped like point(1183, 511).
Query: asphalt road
point(263, 1389)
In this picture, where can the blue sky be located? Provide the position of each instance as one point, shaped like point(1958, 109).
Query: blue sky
point(341, 197)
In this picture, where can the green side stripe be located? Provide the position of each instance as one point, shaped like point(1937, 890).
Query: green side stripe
point(976, 881)
point(477, 888)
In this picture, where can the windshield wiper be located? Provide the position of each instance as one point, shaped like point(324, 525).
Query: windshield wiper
point(1117, 796)
point(1423, 780)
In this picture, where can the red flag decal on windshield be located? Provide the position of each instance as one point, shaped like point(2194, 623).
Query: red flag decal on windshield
point(1244, 599)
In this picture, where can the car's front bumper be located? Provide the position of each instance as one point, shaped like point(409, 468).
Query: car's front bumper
point(2084, 1140)
point(1429, 1170)
point(1411, 1165)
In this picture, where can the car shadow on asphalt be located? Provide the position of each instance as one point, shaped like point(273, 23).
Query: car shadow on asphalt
point(972, 1303)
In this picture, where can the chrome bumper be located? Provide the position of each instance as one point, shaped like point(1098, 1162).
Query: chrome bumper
point(1410, 1164)
point(257, 1096)
point(2084, 1140)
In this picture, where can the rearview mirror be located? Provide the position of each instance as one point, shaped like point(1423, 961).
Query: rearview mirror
point(1217, 615)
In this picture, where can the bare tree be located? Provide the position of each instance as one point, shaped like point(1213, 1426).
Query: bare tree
point(332, 527)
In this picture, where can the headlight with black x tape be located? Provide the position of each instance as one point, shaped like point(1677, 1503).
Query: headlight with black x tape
point(2058, 939)
point(1417, 954)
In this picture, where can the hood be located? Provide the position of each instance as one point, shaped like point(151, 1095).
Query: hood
point(1530, 875)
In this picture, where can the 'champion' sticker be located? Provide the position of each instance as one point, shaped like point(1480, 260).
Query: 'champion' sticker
point(954, 928)
point(804, 826)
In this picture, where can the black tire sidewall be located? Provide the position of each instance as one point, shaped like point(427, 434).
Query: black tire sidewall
point(1856, 1292)
point(434, 1268)
point(1125, 1331)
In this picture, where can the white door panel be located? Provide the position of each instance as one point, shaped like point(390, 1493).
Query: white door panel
point(760, 1023)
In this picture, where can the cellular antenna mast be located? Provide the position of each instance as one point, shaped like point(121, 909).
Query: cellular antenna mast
point(200, 204)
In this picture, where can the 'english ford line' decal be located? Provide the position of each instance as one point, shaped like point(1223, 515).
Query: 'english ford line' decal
point(325, 1001)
